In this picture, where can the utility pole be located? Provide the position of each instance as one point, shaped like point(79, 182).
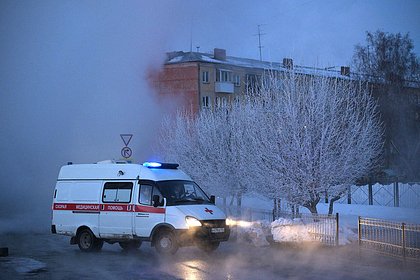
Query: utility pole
point(259, 39)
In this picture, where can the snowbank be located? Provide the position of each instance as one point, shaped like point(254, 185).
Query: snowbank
point(287, 230)
point(254, 233)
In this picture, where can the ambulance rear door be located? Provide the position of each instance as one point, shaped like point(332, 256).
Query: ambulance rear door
point(116, 217)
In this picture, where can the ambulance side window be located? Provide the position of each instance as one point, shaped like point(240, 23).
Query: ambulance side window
point(117, 192)
point(145, 194)
point(156, 191)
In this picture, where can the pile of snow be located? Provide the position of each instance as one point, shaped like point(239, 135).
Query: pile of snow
point(254, 233)
point(288, 230)
point(347, 235)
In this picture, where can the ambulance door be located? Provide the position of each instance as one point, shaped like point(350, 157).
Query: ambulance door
point(146, 215)
point(116, 210)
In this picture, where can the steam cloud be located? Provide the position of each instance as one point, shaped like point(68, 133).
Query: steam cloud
point(73, 77)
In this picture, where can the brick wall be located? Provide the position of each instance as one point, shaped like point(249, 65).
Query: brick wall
point(178, 84)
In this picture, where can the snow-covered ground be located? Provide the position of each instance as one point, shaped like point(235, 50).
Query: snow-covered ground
point(294, 230)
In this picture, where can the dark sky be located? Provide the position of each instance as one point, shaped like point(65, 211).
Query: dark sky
point(72, 73)
point(313, 32)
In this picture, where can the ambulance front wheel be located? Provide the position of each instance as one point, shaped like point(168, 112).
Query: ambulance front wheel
point(87, 241)
point(166, 242)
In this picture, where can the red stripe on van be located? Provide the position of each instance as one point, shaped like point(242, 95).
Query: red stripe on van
point(76, 207)
point(115, 207)
point(108, 207)
point(149, 209)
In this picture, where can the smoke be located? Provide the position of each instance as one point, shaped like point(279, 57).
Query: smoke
point(72, 79)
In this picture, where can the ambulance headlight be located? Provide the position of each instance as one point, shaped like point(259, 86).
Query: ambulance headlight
point(192, 222)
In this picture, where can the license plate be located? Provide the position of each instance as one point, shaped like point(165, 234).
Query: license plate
point(217, 230)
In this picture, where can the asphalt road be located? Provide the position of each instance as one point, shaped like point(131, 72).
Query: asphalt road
point(47, 256)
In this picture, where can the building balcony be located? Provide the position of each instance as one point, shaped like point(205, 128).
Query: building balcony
point(224, 87)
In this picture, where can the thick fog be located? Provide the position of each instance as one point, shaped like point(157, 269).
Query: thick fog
point(73, 74)
point(72, 80)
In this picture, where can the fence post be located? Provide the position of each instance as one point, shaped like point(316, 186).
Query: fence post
point(370, 194)
point(403, 239)
point(396, 195)
point(349, 196)
point(274, 215)
point(337, 229)
point(359, 235)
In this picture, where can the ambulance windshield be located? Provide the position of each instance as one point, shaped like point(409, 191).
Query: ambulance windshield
point(178, 192)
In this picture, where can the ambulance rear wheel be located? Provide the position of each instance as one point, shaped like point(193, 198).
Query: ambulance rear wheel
point(87, 241)
point(130, 245)
point(166, 243)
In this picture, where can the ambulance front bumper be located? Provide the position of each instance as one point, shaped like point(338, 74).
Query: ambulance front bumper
point(212, 231)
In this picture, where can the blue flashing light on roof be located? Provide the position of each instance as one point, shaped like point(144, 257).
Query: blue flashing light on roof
point(152, 164)
point(161, 165)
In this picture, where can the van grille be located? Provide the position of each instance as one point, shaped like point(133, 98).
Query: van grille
point(214, 223)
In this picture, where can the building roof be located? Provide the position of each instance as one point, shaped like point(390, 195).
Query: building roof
point(183, 57)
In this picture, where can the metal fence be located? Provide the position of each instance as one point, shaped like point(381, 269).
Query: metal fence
point(393, 238)
point(395, 195)
point(321, 228)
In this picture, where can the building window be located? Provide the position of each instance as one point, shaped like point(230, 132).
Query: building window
point(224, 102)
point(253, 81)
point(224, 76)
point(221, 102)
point(205, 77)
point(205, 102)
point(237, 80)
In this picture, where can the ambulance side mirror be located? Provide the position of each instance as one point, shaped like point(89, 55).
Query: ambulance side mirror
point(213, 199)
point(156, 200)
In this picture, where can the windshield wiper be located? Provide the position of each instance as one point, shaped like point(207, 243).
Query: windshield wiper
point(199, 199)
point(190, 199)
point(183, 200)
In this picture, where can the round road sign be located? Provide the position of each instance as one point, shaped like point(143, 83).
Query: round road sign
point(126, 152)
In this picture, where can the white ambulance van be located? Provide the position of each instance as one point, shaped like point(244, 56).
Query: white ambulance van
point(131, 203)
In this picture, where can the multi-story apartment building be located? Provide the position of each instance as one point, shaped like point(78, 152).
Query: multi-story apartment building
point(197, 80)
point(203, 80)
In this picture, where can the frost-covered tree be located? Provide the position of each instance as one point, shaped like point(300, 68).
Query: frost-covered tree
point(212, 147)
point(320, 134)
point(297, 137)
